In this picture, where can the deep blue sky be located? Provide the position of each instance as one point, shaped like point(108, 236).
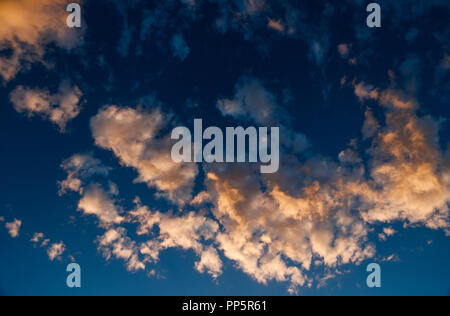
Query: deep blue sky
point(413, 41)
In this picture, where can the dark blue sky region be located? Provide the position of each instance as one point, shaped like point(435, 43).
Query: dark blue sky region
point(85, 147)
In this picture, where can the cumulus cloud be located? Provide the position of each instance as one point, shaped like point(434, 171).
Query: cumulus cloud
point(14, 228)
point(408, 166)
point(134, 137)
point(183, 232)
point(56, 250)
point(307, 215)
point(409, 182)
point(210, 262)
point(116, 243)
point(27, 27)
point(262, 229)
point(58, 108)
point(95, 201)
point(79, 168)
point(316, 211)
point(188, 232)
point(277, 227)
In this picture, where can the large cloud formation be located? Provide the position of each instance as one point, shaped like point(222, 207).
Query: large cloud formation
point(27, 27)
point(314, 212)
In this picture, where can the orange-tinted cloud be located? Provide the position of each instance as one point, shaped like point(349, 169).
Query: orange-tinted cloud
point(58, 108)
point(133, 136)
point(27, 27)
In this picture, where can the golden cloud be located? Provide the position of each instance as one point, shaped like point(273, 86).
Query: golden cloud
point(27, 27)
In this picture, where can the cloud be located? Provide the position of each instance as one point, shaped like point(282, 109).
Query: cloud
point(255, 103)
point(27, 27)
point(278, 227)
point(445, 63)
point(134, 137)
point(125, 40)
point(201, 198)
point(307, 215)
point(14, 228)
point(210, 262)
point(116, 243)
point(56, 250)
point(276, 25)
point(80, 167)
point(262, 230)
point(95, 201)
point(387, 232)
point(344, 50)
point(408, 166)
point(37, 237)
point(389, 97)
point(187, 232)
point(179, 46)
point(58, 108)
point(251, 101)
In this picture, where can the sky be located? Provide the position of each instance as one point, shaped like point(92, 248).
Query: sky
point(88, 177)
